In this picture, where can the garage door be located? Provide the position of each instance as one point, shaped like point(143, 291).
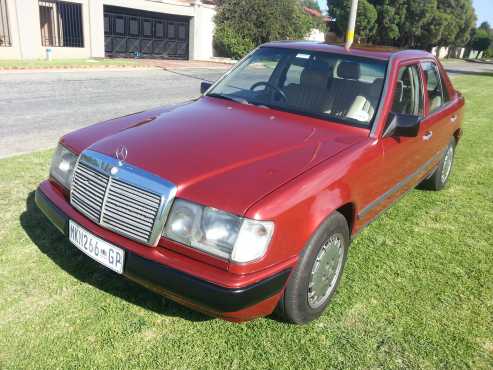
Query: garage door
point(133, 33)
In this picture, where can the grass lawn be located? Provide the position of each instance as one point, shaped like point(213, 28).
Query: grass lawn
point(68, 63)
point(417, 290)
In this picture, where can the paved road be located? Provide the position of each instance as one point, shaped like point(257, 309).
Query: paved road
point(37, 108)
point(457, 67)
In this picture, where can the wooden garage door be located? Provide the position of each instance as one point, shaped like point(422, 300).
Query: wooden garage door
point(133, 33)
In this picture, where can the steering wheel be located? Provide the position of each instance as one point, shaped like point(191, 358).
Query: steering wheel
point(271, 86)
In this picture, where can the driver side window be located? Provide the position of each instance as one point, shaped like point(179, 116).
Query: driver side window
point(408, 95)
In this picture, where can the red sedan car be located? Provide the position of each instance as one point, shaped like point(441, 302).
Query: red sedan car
point(246, 199)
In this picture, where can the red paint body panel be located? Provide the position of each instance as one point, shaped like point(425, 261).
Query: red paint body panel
point(268, 165)
point(210, 146)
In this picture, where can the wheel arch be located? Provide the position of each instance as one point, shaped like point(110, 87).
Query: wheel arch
point(348, 210)
point(457, 135)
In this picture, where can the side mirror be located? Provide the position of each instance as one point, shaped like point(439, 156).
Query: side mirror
point(204, 86)
point(402, 125)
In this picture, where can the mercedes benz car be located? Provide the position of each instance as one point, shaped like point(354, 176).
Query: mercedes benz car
point(245, 200)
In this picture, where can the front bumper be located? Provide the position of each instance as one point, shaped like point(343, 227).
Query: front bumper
point(237, 304)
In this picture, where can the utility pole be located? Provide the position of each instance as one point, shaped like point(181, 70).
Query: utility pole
point(352, 24)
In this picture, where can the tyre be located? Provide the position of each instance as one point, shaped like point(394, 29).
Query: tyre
point(439, 178)
point(314, 281)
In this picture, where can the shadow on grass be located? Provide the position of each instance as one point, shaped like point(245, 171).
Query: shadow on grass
point(57, 247)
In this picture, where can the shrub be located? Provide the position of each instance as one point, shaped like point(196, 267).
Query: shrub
point(243, 24)
point(231, 44)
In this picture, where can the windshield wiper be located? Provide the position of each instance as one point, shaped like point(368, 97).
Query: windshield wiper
point(226, 97)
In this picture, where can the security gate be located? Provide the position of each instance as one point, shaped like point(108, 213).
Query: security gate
point(133, 33)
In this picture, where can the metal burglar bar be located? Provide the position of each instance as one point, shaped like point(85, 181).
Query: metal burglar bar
point(61, 24)
point(4, 25)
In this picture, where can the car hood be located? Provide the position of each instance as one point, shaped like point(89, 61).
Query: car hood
point(220, 153)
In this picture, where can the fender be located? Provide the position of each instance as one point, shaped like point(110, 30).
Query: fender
point(299, 207)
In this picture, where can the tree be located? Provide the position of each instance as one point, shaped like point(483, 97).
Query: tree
point(244, 24)
point(481, 40)
point(366, 24)
point(485, 26)
point(410, 23)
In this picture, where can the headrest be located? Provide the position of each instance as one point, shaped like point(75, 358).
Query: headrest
point(316, 75)
point(349, 70)
point(377, 83)
point(314, 78)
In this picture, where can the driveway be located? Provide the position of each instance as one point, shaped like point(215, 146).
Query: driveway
point(37, 108)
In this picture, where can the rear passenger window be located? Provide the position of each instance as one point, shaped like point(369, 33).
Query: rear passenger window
point(408, 95)
point(434, 87)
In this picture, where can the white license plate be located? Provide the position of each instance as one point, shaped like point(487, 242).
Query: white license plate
point(103, 252)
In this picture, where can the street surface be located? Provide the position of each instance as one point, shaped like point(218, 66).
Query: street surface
point(37, 108)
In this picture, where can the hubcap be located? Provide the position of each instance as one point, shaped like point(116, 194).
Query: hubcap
point(447, 164)
point(325, 271)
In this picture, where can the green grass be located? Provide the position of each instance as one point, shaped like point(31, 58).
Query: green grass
point(68, 63)
point(417, 290)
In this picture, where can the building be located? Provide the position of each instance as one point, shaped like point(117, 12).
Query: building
point(174, 29)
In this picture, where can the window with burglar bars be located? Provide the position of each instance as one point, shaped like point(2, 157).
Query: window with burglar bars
point(61, 24)
point(4, 25)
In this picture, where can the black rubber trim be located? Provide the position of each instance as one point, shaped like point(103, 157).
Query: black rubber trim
point(200, 291)
point(187, 286)
point(52, 212)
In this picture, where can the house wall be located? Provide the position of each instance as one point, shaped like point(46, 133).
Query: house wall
point(202, 31)
point(26, 35)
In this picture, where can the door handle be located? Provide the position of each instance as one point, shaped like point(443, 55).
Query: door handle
point(453, 118)
point(427, 136)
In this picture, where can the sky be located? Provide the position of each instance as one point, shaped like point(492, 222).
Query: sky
point(484, 9)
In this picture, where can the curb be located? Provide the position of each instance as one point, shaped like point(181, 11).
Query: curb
point(75, 69)
point(72, 67)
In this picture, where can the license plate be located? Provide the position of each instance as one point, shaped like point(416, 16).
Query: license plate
point(103, 252)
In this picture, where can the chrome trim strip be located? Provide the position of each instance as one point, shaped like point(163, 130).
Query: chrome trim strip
point(134, 176)
point(399, 185)
point(105, 198)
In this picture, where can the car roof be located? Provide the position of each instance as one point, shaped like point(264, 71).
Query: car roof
point(368, 51)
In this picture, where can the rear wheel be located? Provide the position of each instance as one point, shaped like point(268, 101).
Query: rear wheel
point(315, 279)
point(439, 178)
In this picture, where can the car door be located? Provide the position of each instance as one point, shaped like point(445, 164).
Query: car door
point(440, 113)
point(402, 157)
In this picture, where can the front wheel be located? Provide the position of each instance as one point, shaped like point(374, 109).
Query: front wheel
point(315, 279)
point(439, 178)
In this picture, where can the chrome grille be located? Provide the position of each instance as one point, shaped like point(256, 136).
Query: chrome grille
point(88, 190)
point(121, 197)
point(130, 211)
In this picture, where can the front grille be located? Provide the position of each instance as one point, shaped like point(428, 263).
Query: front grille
point(118, 204)
point(130, 211)
point(88, 190)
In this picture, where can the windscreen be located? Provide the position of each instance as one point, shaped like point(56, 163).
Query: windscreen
point(337, 87)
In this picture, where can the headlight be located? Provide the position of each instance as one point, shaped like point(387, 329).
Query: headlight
point(62, 166)
point(219, 233)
